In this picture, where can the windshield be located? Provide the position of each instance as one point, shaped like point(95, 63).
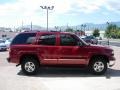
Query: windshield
point(82, 40)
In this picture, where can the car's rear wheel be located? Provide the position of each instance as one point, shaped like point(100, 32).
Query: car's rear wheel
point(98, 66)
point(29, 66)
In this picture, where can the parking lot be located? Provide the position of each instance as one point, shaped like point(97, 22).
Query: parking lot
point(11, 77)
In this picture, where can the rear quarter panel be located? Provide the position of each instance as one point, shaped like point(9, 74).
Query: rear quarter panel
point(18, 50)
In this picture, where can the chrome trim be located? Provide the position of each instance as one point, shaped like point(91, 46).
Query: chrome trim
point(72, 59)
point(98, 66)
point(65, 59)
point(29, 67)
point(50, 59)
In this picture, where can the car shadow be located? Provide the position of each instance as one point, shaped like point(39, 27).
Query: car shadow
point(71, 72)
point(112, 73)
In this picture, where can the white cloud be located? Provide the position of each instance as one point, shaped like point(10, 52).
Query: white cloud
point(29, 10)
point(88, 6)
point(113, 5)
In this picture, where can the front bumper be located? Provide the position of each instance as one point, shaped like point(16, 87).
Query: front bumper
point(111, 62)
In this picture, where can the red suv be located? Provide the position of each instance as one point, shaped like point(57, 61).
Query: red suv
point(32, 50)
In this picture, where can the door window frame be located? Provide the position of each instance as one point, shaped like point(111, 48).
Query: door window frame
point(41, 34)
point(70, 35)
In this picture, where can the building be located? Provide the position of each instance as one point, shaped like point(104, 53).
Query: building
point(5, 29)
point(88, 33)
point(6, 34)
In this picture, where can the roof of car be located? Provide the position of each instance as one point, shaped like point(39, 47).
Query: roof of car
point(46, 32)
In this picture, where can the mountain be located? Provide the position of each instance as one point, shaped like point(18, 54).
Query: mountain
point(91, 26)
point(88, 26)
point(28, 27)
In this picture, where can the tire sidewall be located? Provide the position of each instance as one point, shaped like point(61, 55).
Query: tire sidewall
point(29, 59)
point(91, 66)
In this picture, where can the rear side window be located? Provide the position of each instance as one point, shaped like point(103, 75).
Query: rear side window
point(47, 39)
point(24, 38)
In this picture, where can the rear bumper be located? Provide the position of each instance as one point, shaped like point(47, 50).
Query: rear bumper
point(8, 59)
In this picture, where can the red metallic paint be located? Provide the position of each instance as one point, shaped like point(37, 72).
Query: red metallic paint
point(58, 55)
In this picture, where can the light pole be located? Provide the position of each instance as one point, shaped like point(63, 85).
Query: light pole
point(109, 35)
point(31, 26)
point(83, 25)
point(47, 8)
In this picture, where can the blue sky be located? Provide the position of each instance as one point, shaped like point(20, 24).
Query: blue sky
point(65, 12)
point(6, 1)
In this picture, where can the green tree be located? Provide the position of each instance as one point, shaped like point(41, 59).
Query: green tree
point(96, 33)
point(69, 30)
point(112, 31)
point(118, 33)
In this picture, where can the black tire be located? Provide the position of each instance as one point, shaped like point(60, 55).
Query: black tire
point(98, 66)
point(29, 66)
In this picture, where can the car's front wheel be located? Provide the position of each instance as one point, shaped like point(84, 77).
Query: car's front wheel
point(98, 66)
point(29, 66)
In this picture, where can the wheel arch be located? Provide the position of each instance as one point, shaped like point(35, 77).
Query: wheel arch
point(29, 55)
point(95, 56)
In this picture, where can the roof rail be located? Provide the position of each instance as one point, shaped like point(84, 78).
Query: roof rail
point(41, 31)
point(54, 31)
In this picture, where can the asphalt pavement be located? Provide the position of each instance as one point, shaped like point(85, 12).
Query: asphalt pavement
point(111, 42)
point(12, 78)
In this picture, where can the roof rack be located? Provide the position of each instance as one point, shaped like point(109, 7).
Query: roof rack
point(54, 31)
point(41, 31)
point(35, 31)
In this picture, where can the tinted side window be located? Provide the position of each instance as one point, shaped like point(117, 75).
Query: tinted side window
point(67, 40)
point(30, 40)
point(47, 39)
point(24, 38)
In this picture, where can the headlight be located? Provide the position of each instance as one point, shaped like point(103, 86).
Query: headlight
point(109, 51)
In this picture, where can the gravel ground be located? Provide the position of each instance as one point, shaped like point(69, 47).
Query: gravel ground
point(11, 77)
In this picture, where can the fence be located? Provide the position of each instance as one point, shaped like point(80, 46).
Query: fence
point(112, 42)
point(104, 42)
